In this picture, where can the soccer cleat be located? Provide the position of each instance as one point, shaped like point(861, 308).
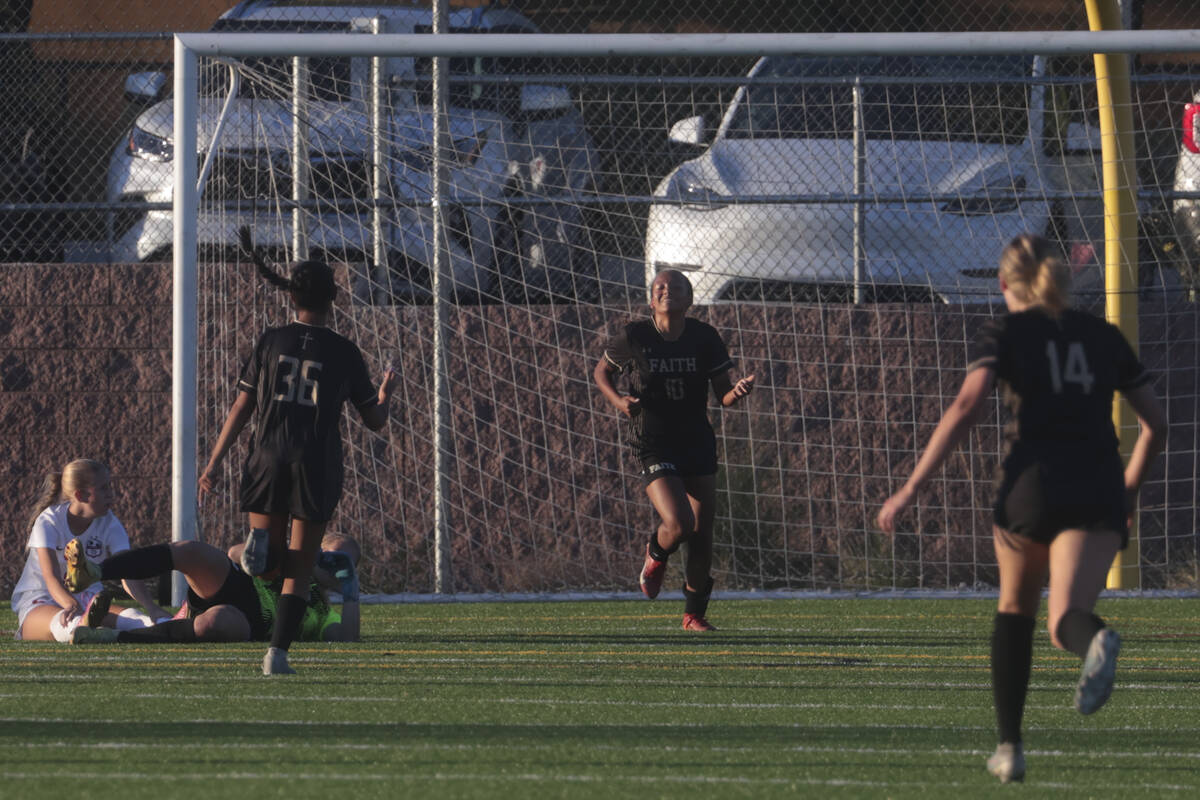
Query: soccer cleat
point(86, 635)
point(254, 552)
point(695, 622)
point(1008, 762)
point(81, 573)
point(653, 572)
point(1099, 669)
point(339, 565)
point(97, 608)
point(275, 662)
point(182, 613)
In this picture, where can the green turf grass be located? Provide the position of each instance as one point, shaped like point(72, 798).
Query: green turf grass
point(816, 698)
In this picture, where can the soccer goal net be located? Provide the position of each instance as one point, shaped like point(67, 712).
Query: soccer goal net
point(496, 205)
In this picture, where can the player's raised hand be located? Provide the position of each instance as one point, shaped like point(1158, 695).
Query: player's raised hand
point(737, 391)
point(391, 376)
point(743, 387)
point(629, 405)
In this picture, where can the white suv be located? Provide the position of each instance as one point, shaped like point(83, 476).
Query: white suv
point(750, 218)
point(507, 141)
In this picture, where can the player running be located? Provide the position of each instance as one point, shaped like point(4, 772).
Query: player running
point(671, 360)
point(298, 378)
point(1063, 497)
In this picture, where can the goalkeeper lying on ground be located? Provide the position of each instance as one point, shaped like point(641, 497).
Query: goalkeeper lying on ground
point(223, 603)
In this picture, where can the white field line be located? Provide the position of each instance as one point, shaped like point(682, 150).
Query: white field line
point(533, 726)
point(181, 697)
point(39, 680)
point(538, 777)
point(779, 594)
point(1087, 755)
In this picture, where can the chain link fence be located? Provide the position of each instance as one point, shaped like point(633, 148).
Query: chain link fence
point(74, 76)
point(734, 170)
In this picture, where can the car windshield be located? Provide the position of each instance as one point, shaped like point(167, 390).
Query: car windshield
point(475, 94)
point(329, 77)
point(951, 98)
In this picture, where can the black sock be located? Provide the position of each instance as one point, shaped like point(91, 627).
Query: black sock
point(170, 632)
point(274, 559)
point(145, 562)
point(289, 614)
point(657, 552)
point(697, 602)
point(1076, 629)
point(1012, 660)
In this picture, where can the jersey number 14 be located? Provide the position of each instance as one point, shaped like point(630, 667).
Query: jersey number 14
point(1075, 371)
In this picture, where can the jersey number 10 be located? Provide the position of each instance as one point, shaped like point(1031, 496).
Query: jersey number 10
point(302, 391)
point(1076, 368)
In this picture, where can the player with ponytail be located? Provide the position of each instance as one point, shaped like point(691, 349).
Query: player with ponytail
point(672, 362)
point(297, 379)
point(74, 514)
point(1064, 498)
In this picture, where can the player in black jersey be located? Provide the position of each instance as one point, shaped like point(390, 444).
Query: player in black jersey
point(298, 378)
point(671, 360)
point(1063, 497)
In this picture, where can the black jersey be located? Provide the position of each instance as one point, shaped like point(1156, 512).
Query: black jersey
point(1058, 377)
point(671, 379)
point(301, 375)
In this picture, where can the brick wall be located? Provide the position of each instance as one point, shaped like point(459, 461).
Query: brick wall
point(84, 372)
point(546, 496)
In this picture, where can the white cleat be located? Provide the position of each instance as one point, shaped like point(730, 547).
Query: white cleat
point(1099, 670)
point(1008, 762)
point(254, 552)
point(275, 662)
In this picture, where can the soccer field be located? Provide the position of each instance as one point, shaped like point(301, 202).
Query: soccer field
point(799, 697)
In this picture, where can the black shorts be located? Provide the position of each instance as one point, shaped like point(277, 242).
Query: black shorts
point(687, 458)
point(1040, 496)
point(289, 487)
point(237, 591)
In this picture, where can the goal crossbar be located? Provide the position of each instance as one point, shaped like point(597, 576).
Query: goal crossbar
point(693, 44)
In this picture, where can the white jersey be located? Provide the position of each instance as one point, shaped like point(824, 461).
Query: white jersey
point(103, 537)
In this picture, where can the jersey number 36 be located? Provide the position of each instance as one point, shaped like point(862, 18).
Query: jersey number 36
point(297, 381)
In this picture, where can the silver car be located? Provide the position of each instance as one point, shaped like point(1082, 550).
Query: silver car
point(518, 154)
point(944, 154)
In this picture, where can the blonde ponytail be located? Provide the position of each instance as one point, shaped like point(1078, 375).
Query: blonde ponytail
point(1033, 271)
point(58, 486)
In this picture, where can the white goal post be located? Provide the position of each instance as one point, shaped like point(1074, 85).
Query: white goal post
point(761, 464)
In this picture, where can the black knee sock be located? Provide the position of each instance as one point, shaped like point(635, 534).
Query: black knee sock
point(657, 551)
point(696, 602)
point(1012, 660)
point(145, 562)
point(274, 559)
point(289, 614)
point(170, 632)
point(1076, 629)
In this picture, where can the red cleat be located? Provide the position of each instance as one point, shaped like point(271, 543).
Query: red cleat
point(695, 622)
point(653, 572)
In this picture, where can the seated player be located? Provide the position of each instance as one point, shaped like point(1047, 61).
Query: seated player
point(223, 603)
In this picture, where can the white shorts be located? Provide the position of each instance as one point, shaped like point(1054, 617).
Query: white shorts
point(61, 625)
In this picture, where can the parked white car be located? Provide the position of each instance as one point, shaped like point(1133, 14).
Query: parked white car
point(508, 141)
point(951, 165)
